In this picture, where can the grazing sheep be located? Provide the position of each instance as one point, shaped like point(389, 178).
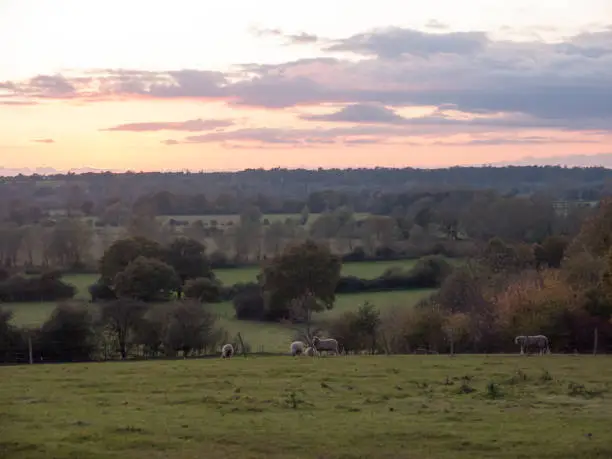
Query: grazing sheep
point(310, 352)
point(326, 345)
point(297, 348)
point(540, 341)
point(227, 351)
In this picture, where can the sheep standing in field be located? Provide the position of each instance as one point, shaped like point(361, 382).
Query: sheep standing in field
point(297, 348)
point(326, 345)
point(540, 341)
point(227, 351)
point(311, 352)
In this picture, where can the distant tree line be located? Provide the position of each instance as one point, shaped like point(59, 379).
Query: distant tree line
point(402, 225)
point(26, 200)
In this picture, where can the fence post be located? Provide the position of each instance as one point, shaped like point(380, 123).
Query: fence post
point(242, 345)
point(595, 340)
point(31, 359)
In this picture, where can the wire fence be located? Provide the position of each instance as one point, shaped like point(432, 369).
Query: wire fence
point(33, 352)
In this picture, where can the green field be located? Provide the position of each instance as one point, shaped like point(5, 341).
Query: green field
point(365, 270)
point(336, 407)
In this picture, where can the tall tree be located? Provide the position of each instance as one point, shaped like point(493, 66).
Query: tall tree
point(188, 258)
point(123, 251)
point(147, 279)
point(302, 271)
point(122, 317)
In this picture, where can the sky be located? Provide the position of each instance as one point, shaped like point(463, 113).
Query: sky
point(206, 85)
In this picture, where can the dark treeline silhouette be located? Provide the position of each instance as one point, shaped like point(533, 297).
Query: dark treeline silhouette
point(28, 198)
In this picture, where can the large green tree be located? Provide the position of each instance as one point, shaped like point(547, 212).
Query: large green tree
point(304, 274)
point(123, 251)
point(188, 258)
point(147, 279)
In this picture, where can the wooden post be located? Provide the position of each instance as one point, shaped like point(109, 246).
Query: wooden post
point(452, 342)
point(30, 349)
point(595, 340)
point(242, 344)
point(385, 343)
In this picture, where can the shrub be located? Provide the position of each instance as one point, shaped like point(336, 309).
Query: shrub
point(13, 346)
point(407, 330)
point(228, 293)
point(428, 272)
point(203, 289)
point(47, 287)
point(358, 330)
point(101, 291)
point(68, 335)
point(249, 304)
point(431, 271)
point(357, 254)
point(190, 327)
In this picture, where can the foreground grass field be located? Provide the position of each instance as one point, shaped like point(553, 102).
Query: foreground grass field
point(337, 407)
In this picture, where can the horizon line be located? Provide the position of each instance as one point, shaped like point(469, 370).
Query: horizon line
point(51, 172)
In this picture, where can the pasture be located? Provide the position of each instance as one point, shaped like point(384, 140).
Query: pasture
point(333, 407)
point(365, 270)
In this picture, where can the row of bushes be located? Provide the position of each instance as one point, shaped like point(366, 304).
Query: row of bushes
point(45, 287)
point(115, 330)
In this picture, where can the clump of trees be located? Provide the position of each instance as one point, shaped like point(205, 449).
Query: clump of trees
point(142, 269)
point(560, 288)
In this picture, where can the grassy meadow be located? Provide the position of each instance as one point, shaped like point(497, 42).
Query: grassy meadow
point(333, 407)
point(365, 270)
point(262, 337)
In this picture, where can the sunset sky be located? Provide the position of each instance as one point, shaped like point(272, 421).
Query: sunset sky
point(207, 85)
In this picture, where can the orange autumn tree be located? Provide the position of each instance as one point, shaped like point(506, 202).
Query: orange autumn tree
point(535, 303)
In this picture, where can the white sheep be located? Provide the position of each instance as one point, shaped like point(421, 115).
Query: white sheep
point(227, 351)
point(297, 348)
point(326, 345)
point(311, 352)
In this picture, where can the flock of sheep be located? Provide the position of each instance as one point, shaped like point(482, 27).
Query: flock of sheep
point(331, 345)
point(297, 348)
